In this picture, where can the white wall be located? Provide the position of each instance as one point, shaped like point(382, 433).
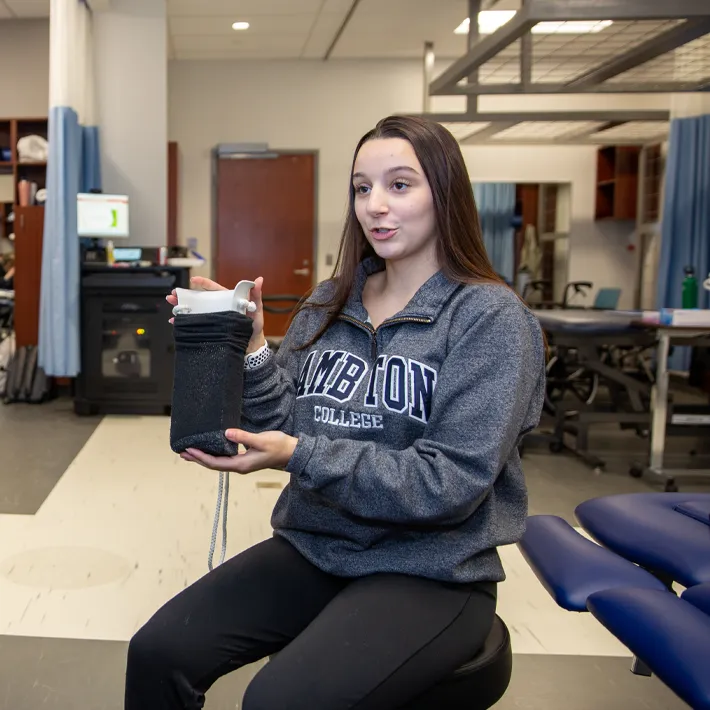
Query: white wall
point(131, 80)
point(328, 105)
point(24, 68)
point(597, 250)
point(290, 105)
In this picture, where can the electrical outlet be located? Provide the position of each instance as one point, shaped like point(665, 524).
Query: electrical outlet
point(329, 260)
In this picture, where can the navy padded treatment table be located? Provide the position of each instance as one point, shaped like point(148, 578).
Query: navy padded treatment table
point(647, 542)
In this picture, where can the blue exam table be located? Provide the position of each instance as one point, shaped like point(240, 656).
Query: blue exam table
point(647, 542)
point(666, 534)
point(561, 322)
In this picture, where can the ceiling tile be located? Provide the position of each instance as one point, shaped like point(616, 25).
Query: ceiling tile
point(391, 45)
point(461, 131)
point(376, 29)
point(278, 53)
point(688, 63)
point(633, 130)
point(337, 6)
point(322, 35)
point(290, 44)
point(242, 8)
point(259, 25)
point(450, 12)
point(29, 8)
point(544, 130)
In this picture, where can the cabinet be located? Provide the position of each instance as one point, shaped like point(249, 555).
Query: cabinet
point(29, 231)
point(25, 222)
point(617, 182)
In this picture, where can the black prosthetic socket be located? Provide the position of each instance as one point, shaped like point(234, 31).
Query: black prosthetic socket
point(208, 381)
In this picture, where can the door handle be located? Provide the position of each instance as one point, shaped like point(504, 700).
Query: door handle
point(301, 272)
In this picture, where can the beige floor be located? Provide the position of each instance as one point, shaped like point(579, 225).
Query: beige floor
point(129, 524)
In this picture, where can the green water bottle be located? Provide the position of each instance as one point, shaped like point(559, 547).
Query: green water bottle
point(690, 288)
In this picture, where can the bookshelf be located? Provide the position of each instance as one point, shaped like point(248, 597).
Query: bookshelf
point(28, 222)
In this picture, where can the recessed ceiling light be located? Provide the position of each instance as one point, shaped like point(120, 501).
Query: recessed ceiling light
point(240, 26)
point(490, 20)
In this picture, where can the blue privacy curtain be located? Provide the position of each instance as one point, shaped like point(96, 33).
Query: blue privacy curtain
point(72, 167)
point(496, 210)
point(90, 159)
point(685, 227)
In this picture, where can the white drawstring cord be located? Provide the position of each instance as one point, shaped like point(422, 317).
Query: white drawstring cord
point(222, 489)
point(240, 303)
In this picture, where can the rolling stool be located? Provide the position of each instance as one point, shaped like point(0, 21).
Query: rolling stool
point(476, 685)
point(479, 683)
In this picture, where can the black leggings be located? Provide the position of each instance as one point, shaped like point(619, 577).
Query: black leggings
point(368, 643)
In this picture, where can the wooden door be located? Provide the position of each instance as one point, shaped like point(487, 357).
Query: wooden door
point(265, 227)
point(29, 230)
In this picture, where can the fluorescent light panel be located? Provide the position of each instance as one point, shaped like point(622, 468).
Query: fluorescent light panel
point(634, 130)
point(545, 130)
point(462, 130)
point(490, 20)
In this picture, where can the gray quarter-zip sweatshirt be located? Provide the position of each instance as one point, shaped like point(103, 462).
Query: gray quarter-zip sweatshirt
point(407, 457)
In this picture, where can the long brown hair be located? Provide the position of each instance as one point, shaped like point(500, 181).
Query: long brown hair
point(460, 250)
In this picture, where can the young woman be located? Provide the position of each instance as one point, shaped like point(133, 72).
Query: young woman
point(396, 403)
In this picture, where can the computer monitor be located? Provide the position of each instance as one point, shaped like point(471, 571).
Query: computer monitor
point(102, 216)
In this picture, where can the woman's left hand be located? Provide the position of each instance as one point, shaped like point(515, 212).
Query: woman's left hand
point(270, 449)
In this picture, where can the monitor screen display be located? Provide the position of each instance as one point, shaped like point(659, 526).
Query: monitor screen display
point(102, 215)
point(128, 254)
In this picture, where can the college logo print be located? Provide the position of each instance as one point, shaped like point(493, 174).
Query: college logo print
point(394, 383)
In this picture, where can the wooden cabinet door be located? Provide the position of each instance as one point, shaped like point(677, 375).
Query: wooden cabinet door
point(29, 228)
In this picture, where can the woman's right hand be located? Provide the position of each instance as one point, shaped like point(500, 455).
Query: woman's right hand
point(257, 338)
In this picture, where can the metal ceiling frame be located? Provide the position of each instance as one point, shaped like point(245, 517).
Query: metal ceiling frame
point(695, 23)
point(591, 137)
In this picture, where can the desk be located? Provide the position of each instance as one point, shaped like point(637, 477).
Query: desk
point(667, 336)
